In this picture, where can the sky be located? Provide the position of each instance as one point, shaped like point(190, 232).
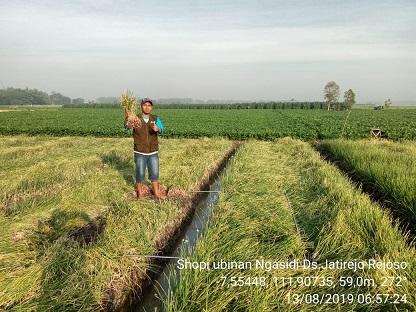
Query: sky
point(232, 50)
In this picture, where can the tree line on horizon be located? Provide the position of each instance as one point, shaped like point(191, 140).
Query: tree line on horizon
point(247, 105)
point(17, 96)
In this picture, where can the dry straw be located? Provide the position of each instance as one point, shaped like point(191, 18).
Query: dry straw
point(128, 102)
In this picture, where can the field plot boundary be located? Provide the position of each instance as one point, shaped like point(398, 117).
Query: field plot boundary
point(118, 297)
point(376, 195)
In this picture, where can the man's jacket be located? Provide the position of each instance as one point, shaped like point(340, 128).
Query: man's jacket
point(145, 139)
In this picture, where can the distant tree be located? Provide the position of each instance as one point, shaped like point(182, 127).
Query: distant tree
point(349, 99)
point(387, 103)
point(59, 99)
point(331, 94)
point(16, 96)
point(78, 101)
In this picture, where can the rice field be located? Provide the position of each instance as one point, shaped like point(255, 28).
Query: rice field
point(274, 209)
point(66, 227)
point(387, 168)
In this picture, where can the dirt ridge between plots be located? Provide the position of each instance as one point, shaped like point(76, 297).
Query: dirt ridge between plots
point(120, 299)
point(387, 202)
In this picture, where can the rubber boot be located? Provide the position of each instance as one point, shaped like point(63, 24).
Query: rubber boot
point(139, 191)
point(157, 196)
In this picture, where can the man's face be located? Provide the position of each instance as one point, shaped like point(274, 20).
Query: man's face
point(147, 107)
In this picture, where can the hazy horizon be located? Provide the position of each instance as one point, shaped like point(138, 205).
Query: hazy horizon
point(236, 50)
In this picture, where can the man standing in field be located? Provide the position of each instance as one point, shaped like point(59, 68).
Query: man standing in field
point(146, 149)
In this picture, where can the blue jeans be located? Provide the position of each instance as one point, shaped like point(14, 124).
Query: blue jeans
point(152, 162)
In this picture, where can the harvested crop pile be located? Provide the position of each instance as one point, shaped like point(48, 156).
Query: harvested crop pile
point(128, 102)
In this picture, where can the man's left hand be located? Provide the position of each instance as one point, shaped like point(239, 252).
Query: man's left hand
point(155, 128)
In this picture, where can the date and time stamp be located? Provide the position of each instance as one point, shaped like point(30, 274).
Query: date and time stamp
point(314, 286)
point(317, 282)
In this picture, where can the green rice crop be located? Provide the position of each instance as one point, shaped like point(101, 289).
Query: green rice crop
point(52, 186)
point(389, 168)
point(253, 220)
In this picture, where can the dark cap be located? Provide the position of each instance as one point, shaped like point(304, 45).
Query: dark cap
point(144, 100)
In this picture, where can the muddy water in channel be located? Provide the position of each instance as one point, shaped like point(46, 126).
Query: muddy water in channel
point(152, 297)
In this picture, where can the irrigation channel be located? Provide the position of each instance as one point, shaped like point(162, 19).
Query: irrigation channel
point(152, 296)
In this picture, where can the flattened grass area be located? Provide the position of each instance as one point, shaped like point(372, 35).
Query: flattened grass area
point(389, 168)
point(265, 124)
point(53, 185)
point(253, 221)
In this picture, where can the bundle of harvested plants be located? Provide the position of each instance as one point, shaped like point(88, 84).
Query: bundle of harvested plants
point(129, 103)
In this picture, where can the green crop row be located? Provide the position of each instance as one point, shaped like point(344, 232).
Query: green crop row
point(388, 168)
point(278, 200)
point(265, 124)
